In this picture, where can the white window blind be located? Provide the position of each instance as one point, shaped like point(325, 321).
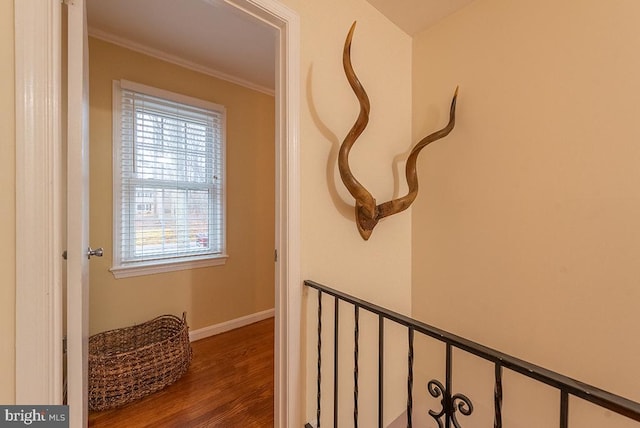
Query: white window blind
point(170, 184)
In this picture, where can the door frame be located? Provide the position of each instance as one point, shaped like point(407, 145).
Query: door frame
point(39, 240)
point(38, 203)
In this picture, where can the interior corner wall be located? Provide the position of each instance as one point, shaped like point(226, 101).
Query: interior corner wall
point(333, 253)
point(7, 205)
point(212, 295)
point(526, 231)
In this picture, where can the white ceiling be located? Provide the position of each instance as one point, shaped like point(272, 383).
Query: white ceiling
point(214, 37)
point(413, 16)
point(207, 35)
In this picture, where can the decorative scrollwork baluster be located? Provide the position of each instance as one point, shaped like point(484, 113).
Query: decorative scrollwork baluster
point(461, 403)
point(450, 404)
point(436, 389)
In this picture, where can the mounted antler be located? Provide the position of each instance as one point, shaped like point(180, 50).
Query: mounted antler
point(367, 212)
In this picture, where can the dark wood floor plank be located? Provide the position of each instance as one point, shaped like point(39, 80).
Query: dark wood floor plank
point(229, 384)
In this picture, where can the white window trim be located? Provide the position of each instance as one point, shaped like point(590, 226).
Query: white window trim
point(151, 267)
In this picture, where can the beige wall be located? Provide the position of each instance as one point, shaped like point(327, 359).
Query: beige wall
point(526, 232)
point(332, 250)
point(245, 285)
point(7, 206)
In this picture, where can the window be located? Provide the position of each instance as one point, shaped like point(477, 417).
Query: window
point(169, 202)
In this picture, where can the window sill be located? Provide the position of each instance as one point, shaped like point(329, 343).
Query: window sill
point(166, 266)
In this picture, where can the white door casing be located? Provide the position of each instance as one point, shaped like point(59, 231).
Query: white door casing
point(38, 372)
point(77, 213)
point(38, 189)
point(289, 398)
point(288, 370)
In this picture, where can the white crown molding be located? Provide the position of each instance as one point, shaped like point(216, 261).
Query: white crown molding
point(173, 59)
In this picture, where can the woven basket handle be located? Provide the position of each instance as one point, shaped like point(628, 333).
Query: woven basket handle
point(184, 317)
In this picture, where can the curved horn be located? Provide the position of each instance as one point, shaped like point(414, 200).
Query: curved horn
point(400, 204)
point(365, 203)
point(367, 212)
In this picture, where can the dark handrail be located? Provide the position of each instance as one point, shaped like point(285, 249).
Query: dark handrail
point(566, 385)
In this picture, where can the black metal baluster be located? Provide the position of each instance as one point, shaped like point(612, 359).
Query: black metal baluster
point(335, 364)
point(448, 412)
point(380, 369)
point(355, 365)
point(410, 381)
point(319, 354)
point(453, 405)
point(497, 397)
point(564, 409)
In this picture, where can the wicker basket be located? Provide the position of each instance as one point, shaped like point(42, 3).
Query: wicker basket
point(129, 363)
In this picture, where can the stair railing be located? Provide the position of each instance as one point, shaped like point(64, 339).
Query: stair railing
point(452, 404)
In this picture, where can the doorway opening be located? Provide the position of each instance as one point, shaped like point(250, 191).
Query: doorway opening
point(203, 54)
point(39, 373)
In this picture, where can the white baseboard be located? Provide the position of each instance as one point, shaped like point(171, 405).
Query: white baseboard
point(212, 330)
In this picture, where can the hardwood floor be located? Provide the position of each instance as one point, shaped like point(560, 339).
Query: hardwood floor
point(229, 384)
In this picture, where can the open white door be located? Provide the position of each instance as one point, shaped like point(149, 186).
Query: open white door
point(77, 214)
